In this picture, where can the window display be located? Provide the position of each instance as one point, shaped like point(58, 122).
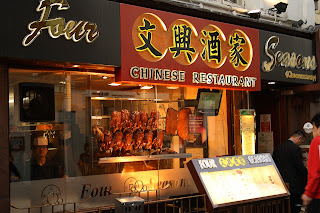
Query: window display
point(94, 123)
point(104, 132)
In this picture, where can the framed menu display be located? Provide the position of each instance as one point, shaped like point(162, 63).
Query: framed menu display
point(232, 180)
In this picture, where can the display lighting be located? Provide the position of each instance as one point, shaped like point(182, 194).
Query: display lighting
point(172, 87)
point(51, 147)
point(271, 83)
point(146, 87)
point(114, 84)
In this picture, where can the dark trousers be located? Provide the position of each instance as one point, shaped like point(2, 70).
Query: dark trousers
point(295, 203)
point(314, 206)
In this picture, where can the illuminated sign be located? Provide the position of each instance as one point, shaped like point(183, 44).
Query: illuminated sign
point(164, 48)
point(237, 179)
point(152, 40)
point(287, 58)
point(58, 26)
point(247, 131)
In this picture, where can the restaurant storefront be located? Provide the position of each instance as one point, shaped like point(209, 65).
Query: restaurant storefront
point(118, 98)
point(288, 66)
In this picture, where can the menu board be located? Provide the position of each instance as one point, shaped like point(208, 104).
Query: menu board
point(236, 179)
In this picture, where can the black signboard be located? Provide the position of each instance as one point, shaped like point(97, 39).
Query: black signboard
point(77, 31)
point(287, 59)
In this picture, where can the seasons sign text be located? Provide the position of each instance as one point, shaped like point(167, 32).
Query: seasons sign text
point(290, 60)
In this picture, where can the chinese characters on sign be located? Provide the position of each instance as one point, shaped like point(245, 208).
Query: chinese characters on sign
point(159, 47)
point(152, 40)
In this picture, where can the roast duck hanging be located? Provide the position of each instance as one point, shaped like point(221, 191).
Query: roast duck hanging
point(134, 132)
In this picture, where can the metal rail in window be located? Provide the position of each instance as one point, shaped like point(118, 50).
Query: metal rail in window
point(187, 204)
point(143, 158)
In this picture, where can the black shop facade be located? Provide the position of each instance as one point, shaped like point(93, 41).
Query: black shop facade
point(116, 113)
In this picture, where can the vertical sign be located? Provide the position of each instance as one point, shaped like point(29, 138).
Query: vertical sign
point(247, 126)
point(265, 123)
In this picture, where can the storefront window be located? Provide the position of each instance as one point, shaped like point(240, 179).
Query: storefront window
point(83, 138)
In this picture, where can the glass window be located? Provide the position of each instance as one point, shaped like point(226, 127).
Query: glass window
point(69, 129)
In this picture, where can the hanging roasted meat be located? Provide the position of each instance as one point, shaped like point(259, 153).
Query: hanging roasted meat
point(97, 133)
point(117, 142)
point(105, 146)
point(153, 120)
point(183, 123)
point(107, 143)
point(147, 140)
point(158, 140)
point(144, 119)
point(115, 123)
point(135, 118)
point(171, 121)
point(127, 142)
point(125, 119)
point(138, 138)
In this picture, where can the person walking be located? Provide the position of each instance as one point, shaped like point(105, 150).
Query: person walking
point(288, 158)
point(311, 195)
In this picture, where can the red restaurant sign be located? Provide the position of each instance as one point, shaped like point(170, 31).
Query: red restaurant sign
point(164, 48)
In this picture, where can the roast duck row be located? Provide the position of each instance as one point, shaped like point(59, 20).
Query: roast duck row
point(135, 131)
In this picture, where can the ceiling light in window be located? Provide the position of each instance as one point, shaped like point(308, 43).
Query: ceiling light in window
point(271, 82)
point(146, 87)
point(62, 82)
point(104, 77)
point(76, 65)
point(172, 87)
point(114, 84)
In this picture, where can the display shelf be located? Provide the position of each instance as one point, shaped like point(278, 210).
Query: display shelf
point(35, 127)
point(129, 99)
point(127, 159)
point(99, 117)
point(96, 117)
point(160, 100)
